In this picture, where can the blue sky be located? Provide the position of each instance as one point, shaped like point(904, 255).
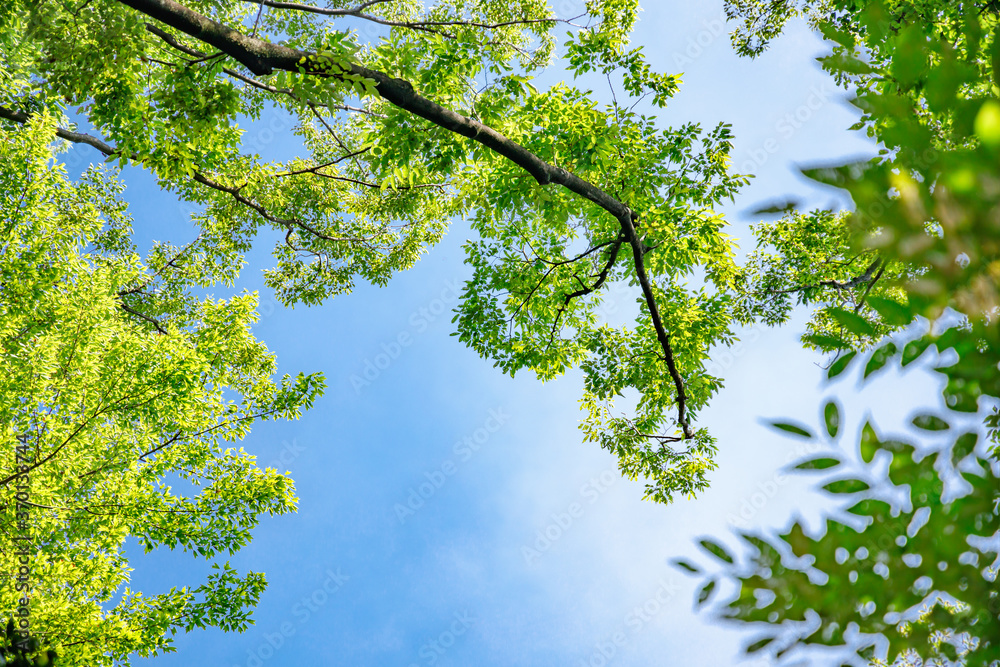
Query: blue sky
point(519, 544)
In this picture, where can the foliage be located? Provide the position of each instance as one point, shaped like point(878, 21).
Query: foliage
point(926, 83)
point(121, 396)
point(925, 75)
point(435, 118)
point(907, 572)
point(19, 651)
point(800, 260)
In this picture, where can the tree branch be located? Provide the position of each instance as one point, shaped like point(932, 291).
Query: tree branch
point(867, 277)
point(425, 26)
point(287, 223)
point(262, 58)
point(141, 316)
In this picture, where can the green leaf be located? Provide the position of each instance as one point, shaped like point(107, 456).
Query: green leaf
point(852, 321)
point(995, 61)
point(869, 443)
point(987, 125)
point(685, 565)
point(880, 358)
point(835, 34)
point(909, 62)
point(871, 507)
point(826, 343)
point(963, 447)
point(821, 463)
point(706, 592)
point(716, 550)
point(794, 429)
point(847, 486)
point(929, 422)
point(840, 364)
point(893, 312)
point(778, 207)
point(758, 645)
point(914, 349)
point(831, 417)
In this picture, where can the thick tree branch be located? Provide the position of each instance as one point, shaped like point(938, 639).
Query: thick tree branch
point(171, 41)
point(262, 57)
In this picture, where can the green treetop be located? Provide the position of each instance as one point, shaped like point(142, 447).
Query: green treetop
point(434, 120)
point(121, 400)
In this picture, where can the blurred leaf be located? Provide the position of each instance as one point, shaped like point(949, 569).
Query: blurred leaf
point(847, 486)
point(914, 349)
point(778, 207)
point(789, 427)
point(879, 358)
point(909, 62)
point(871, 507)
point(685, 565)
point(988, 124)
point(706, 592)
point(892, 312)
point(840, 364)
point(964, 445)
point(818, 464)
point(869, 443)
point(831, 416)
point(852, 322)
point(716, 550)
point(758, 645)
point(930, 423)
point(827, 343)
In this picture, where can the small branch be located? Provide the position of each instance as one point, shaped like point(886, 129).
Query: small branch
point(868, 289)
point(315, 169)
point(584, 290)
point(425, 26)
point(142, 316)
point(108, 150)
point(68, 135)
point(866, 277)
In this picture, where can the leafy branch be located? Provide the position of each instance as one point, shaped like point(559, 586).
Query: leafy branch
point(262, 58)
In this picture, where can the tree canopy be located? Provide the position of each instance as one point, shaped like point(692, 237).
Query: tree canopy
point(436, 118)
point(123, 392)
